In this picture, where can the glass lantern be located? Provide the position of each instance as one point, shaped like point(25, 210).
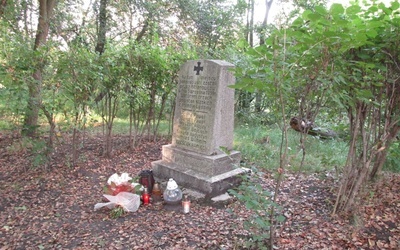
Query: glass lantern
point(172, 194)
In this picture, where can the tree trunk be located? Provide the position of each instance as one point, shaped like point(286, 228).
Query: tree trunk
point(150, 114)
point(75, 150)
point(392, 124)
point(250, 23)
point(159, 116)
point(46, 9)
point(258, 102)
point(3, 5)
point(382, 151)
point(102, 27)
point(268, 4)
point(50, 120)
point(245, 99)
point(111, 107)
point(132, 129)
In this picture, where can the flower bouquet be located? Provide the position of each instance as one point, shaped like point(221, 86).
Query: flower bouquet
point(120, 192)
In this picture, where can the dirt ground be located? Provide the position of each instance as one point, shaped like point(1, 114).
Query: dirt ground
point(53, 209)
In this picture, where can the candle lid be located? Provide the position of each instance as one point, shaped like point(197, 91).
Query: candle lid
point(171, 185)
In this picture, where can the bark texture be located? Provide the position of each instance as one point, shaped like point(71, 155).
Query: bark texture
point(46, 10)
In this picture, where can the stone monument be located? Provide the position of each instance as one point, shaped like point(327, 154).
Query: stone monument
point(201, 156)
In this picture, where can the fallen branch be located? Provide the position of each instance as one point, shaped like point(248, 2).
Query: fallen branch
point(304, 126)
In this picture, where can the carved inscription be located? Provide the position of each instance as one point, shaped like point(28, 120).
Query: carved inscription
point(196, 98)
point(197, 95)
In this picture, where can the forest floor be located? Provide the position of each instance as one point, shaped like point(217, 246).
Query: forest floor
point(53, 209)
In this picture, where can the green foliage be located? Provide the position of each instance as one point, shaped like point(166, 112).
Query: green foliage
point(259, 146)
point(393, 158)
point(254, 142)
point(117, 212)
point(320, 62)
point(12, 105)
point(259, 200)
point(121, 127)
point(16, 67)
point(40, 153)
point(37, 149)
point(214, 24)
point(315, 47)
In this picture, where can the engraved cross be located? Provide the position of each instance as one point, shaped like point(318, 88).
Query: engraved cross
point(198, 68)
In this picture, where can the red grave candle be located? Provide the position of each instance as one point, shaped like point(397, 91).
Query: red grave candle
point(146, 197)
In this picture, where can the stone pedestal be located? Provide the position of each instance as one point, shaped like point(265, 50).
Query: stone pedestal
point(211, 175)
point(201, 156)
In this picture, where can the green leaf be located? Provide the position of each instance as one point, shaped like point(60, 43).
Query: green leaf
point(373, 8)
point(298, 22)
point(395, 5)
point(337, 9)
point(378, 84)
point(23, 208)
point(372, 33)
point(321, 10)
point(306, 13)
point(364, 93)
point(363, 56)
point(252, 52)
point(360, 37)
point(385, 9)
point(352, 10)
point(242, 44)
point(314, 16)
point(280, 218)
point(263, 223)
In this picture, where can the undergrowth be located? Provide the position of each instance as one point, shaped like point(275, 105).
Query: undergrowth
point(259, 145)
point(393, 158)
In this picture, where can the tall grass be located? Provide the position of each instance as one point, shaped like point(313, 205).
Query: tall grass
point(260, 146)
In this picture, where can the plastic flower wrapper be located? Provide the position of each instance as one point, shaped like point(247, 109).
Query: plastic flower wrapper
point(120, 191)
point(128, 201)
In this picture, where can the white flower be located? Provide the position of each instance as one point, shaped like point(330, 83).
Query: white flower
point(125, 178)
point(118, 180)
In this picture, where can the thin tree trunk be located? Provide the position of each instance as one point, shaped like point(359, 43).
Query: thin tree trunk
point(157, 123)
point(102, 27)
point(391, 128)
point(250, 23)
point(111, 110)
point(74, 146)
point(131, 141)
point(382, 153)
point(283, 150)
point(268, 4)
point(357, 166)
point(46, 9)
point(3, 5)
point(50, 120)
point(150, 114)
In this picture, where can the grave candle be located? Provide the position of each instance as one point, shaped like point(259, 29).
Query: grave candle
point(186, 204)
point(156, 194)
point(146, 197)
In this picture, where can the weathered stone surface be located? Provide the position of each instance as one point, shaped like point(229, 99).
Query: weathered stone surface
point(201, 156)
point(204, 112)
point(211, 186)
point(207, 165)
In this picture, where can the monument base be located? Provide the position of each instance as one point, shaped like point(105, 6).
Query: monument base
point(187, 169)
